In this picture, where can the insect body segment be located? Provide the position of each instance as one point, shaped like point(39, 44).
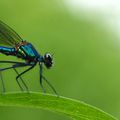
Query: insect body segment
point(7, 50)
point(27, 52)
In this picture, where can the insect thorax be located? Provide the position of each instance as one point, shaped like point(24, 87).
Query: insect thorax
point(26, 51)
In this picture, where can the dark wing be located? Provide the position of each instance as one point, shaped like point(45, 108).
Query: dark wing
point(8, 36)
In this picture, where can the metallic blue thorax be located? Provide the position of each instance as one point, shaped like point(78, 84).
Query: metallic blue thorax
point(27, 52)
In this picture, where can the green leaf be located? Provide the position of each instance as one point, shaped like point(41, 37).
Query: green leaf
point(72, 108)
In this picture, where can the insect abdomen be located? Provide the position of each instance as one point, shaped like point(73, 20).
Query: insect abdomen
point(7, 50)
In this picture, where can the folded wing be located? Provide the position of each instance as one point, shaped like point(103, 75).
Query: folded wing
point(8, 36)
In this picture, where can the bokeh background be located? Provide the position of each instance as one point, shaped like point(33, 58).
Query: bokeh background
point(86, 55)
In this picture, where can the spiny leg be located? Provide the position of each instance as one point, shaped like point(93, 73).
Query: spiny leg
point(19, 75)
point(21, 80)
point(15, 66)
point(18, 64)
point(41, 68)
point(2, 69)
point(19, 85)
point(3, 85)
point(12, 68)
point(14, 62)
point(25, 71)
point(50, 85)
point(47, 81)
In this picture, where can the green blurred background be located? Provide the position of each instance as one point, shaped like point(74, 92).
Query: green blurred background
point(86, 55)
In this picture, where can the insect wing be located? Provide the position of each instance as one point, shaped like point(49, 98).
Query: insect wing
point(8, 36)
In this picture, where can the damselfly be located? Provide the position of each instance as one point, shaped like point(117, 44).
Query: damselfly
point(14, 45)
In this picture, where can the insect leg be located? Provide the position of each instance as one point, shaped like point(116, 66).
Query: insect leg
point(25, 71)
point(18, 64)
point(12, 67)
point(41, 68)
point(19, 84)
point(3, 85)
point(11, 62)
point(50, 85)
point(19, 75)
point(21, 80)
point(2, 69)
point(41, 76)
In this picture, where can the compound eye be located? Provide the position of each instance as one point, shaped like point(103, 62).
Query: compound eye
point(48, 60)
point(48, 55)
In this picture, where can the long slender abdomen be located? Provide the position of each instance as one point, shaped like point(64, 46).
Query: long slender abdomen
point(7, 50)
